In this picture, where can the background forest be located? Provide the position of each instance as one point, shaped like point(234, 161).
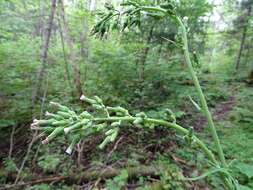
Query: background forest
point(49, 51)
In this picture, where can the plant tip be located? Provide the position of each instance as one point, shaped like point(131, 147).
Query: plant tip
point(66, 130)
point(69, 150)
point(46, 141)
point(82, 97)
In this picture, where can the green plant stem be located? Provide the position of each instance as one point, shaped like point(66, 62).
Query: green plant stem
point(174, 126)
point(197, 86)
point(204, 106)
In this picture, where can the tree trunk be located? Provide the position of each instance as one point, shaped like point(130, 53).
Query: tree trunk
point(76, 70)
point(160, 53)
point(44, 54)
point(67, 68)
point(244, 33)
point(144, 55)
point(250, 77)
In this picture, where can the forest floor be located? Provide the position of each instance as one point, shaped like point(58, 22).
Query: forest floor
point(150, 159)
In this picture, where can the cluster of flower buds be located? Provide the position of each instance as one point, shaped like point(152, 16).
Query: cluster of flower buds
point(139, 121)
point(96, 103)
point(110, 136)
point(78, 126)
point(63, 121)
point(189, 138)
point(170, 116)
point(119, 111)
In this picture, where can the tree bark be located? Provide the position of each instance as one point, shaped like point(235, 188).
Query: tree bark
point(250, 77)
point(76, 69)
point(244, 33)
point(67, 67)
point(44, 54)
point(160, 53)
point(144, 55)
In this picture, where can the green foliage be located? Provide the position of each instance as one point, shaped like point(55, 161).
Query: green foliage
point(118, 182)
point(9, 165)
point(171, 177)
point(245, 169)
point(49, 163)
point(6, 123)
point(241, 115)
point(39, 187)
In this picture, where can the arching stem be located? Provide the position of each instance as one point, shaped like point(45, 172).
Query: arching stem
point(202, 98)
point(178, 128)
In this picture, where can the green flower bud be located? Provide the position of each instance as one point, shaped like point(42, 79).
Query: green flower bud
point(105, 142)
point(170, 115)
point(168, 111)
point(141, 114)
point(189, 138)
point(88, 100)
point(65, 115)
point(85, 114)
point(97, 107)
point(57, 117)
point(120, 114)
point(118, 110)
point(190, 133)
point(122, 110)
point(99, 100)
point(138, 121)
point(60, 123)
point(42, 122)
point(110, 131)
point(75, 126)
point(100, 126)
point(112, 109)
point(149, 125)
point(86, 125)
point(114, 135)
point(54, 134)
point(59, 106)
point(48, 130)
point(115, 124)
point(75, 140)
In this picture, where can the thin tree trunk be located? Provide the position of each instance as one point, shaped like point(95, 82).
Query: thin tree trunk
point(64, 55)
point(44, 54)
point(160, 53)
point(250, 77)
point(144, 55)
point(76, 70)
point(244, 33)
point(84, 49)
point(41, 20)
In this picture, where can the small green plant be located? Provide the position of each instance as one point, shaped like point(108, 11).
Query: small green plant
point(48, 163)
point(9, 165)
point(39, 187)
point(118, 182)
